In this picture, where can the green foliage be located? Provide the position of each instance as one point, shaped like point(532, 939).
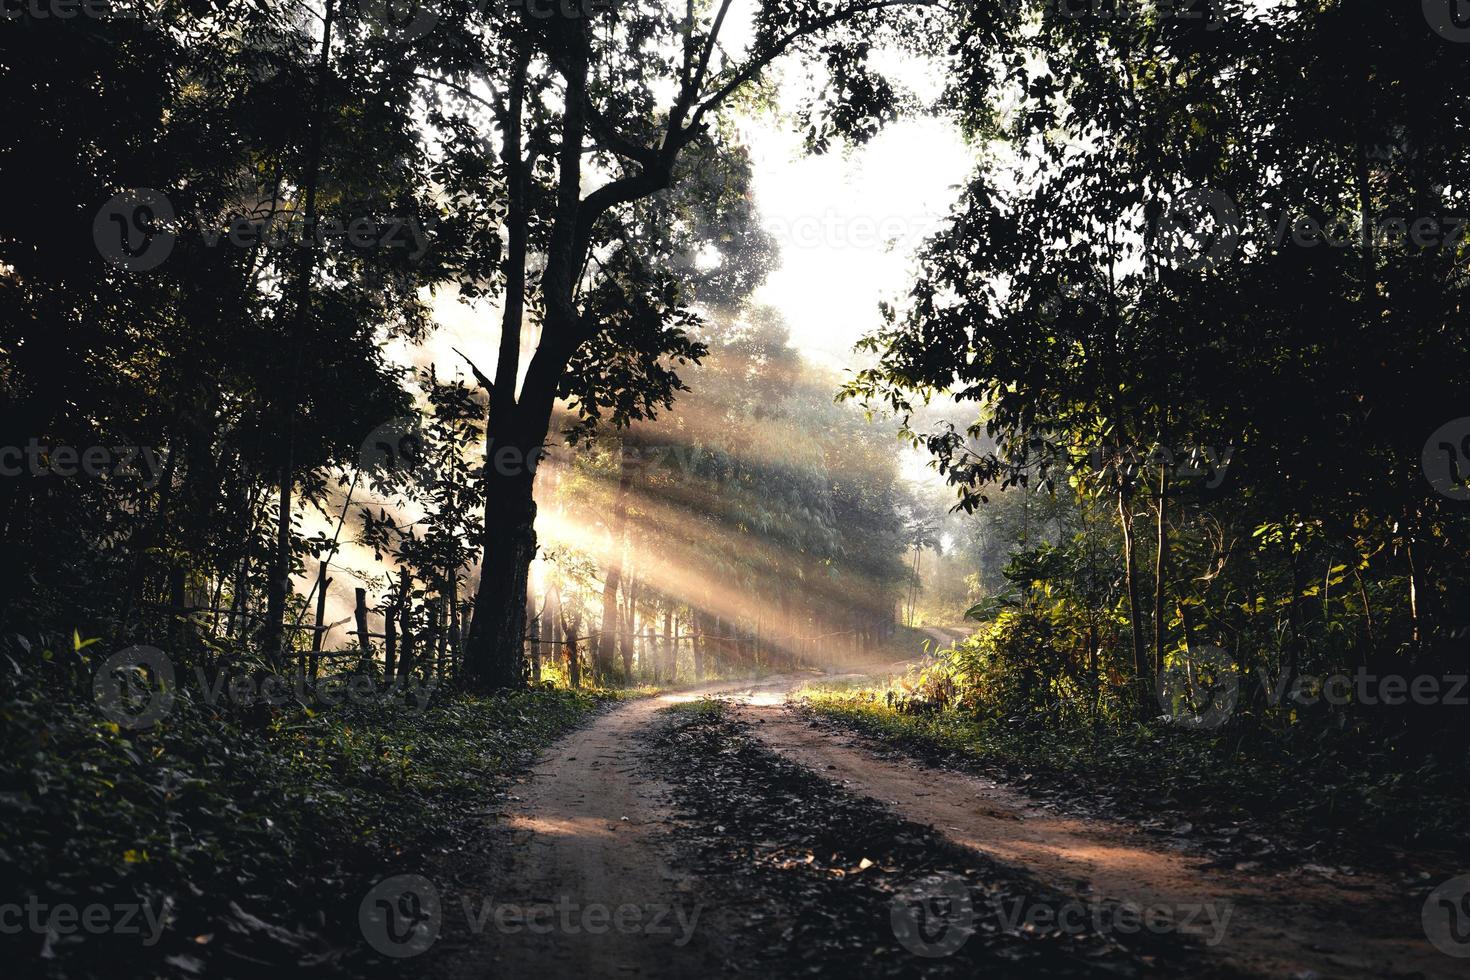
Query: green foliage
point(287, 815)
point(1302, 788)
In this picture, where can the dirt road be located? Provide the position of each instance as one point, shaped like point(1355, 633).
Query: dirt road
point(582, 842)
point(577, 846)
point(1298, 924)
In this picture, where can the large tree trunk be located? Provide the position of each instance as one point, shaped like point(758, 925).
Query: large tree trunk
point(516, 430)
point(493, 655)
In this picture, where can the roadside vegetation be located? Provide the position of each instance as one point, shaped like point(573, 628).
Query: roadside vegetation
point(243, 835)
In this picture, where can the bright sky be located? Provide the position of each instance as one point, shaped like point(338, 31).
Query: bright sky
point(848, 225)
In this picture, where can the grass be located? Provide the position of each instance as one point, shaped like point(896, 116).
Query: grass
point(1334, 793)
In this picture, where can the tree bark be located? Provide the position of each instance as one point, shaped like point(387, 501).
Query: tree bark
point(364, 638)
point(533, 637)
point(321, 615)
point(1161, 567)
point(279, 580)
point(405, 611)
point(1130, 571)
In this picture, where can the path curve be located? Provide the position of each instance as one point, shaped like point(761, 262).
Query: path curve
point(1286, 925)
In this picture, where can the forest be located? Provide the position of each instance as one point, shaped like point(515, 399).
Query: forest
point(880, 488)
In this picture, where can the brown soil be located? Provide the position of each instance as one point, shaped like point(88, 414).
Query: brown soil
point(588, 826)
point(1280, 925)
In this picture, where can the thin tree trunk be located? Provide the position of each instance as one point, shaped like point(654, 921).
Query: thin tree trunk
point(699, 642)
point(405, 611)
point(533, 635)
point(574, 659)
point(390, 641)
point(607, 641)
point(321, 616)
point(1141, 676)
point(279, 581)
point(364, 638)
point(1161, 567)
